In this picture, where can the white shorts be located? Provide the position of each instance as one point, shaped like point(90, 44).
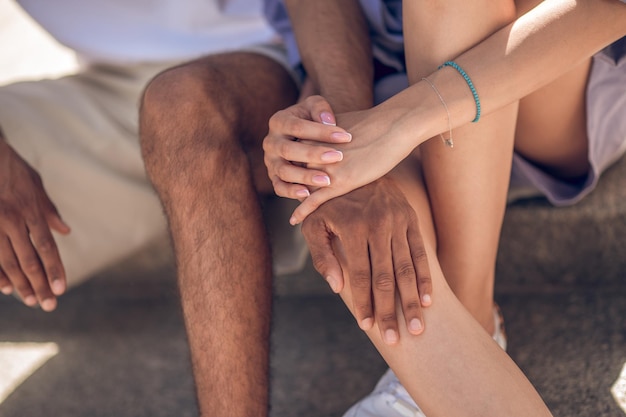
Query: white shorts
point(80, 133)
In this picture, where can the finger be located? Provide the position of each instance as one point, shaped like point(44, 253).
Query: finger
point(322, 253)
point(5, 284)
point(286, 124)
point(48, 254)
point(360, 276)
point(321, 111)
point(307, 153)
point(406, 280)
point(300, 175)
point(55, 222)
point(287, 190)
point(12, 270)
point(310, 204)
point(384, 287)
point(32, 267)
point(420, 263)
point(296, 151)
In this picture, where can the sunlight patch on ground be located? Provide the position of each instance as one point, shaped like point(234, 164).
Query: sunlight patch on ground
point(619, 389)
point(18, 361)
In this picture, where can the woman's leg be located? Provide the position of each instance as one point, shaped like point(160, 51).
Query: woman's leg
point(551, 128)
point(454, 368)
point(467, 185)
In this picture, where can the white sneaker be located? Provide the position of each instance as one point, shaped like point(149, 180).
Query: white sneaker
point(391, 399)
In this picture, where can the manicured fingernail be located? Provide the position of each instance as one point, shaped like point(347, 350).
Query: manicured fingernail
point(321, 179)
point(48, 304)
point(293, 221)
point(391, 337)
point(426, 300)
point(415, 325)
point(30, 300)
point(332, 156)
point(328, 119)
point(334, 285)
point(58, 287)
point(303, 193)
point(7, 290)
point(367, 323)
point(341, 136)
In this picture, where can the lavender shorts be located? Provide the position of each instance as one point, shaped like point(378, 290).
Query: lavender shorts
point(606, 130)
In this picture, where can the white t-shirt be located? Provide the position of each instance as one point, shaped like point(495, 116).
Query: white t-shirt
point(126, 31)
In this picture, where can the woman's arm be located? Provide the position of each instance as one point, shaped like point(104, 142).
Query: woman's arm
point(537, 48)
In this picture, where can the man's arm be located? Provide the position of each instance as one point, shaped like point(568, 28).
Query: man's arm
point(333, 39)
point(335, 48)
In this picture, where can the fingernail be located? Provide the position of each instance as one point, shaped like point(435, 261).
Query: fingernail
point(303, 193)
point(415, 326)
point(332, 156)
point(48, 304)
point(328, 119)
point(293, 221)
point(30, 300)
point(341, 136)
point(367, 323)
point(333, 283)
point(321, 179)
point(58, 287)
point(426, 300)
point(391, 337)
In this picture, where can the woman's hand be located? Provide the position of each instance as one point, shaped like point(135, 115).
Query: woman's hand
point(286, 158)
point(310, 159)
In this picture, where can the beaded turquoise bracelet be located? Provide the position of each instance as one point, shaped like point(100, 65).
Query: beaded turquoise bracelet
point(469, 83)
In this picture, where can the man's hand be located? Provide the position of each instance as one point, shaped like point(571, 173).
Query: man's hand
point(376, 234)
point(29, 258)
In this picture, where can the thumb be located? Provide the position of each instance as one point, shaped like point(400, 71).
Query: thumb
point(323, 256)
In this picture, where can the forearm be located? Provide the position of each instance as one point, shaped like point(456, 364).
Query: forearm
point(515, 61)
point(336, 51)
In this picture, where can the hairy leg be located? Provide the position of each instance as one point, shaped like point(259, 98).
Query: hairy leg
point(467, 184)
point(454, 368)
point(202, 126)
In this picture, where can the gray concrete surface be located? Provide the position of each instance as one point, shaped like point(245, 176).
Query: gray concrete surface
point(123, 352)
point(122, 349)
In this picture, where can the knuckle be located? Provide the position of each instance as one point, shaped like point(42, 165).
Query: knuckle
point(419, 254)
point(405, 271)
point(31, 266)
point(46, 245)
point(10, 267)
point(319, 263)
point(424, 280)
point(387, 318)
point(282, 171)
point(384, 282)
point(412, 305)
point(284, 150)
point(361, 280)
point(294, 127)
